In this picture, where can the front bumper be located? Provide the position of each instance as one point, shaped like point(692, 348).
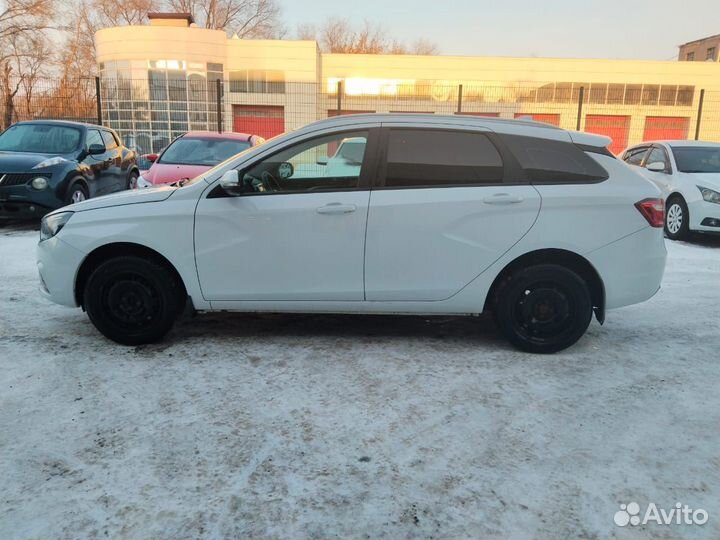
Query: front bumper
point(58, 264)
point(704, 216)
point(22, 210)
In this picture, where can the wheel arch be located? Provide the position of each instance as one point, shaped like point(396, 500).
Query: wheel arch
point(76, 178)
point(568, 259)
point(116, 249)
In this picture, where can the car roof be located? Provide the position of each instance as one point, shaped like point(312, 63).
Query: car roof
point(228, 136)
point(67, 123)
point(681, 143)
point(507, 126)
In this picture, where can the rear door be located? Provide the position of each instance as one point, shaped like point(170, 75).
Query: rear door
point(447, 205)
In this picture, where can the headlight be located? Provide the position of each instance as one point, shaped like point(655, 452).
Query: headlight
point(709, 195)
point(52, 224)
point(39, 183)
point(50, 162)
point(143, 183)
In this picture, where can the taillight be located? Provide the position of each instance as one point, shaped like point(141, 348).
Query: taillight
point(653, 210)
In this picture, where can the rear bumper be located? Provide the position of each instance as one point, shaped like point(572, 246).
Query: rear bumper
point(631, 268)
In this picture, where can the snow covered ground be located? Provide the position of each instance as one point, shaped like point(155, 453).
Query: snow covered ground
point(357, 427)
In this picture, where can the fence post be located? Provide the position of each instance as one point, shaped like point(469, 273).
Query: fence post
point(98, 101)
point(218, 98)
point(699, 114)
point(581, 98)
point(459, 110)
point(339, 96)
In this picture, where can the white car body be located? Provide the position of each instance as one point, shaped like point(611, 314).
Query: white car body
point(673, 182)
point(430, 250)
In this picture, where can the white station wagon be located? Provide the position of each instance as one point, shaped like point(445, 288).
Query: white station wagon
point(428, 214)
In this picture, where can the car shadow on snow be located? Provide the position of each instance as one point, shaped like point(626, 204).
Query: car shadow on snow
point(702, 240)
point(220, 326)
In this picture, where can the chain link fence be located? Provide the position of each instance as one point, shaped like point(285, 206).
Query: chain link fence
point(148, 113)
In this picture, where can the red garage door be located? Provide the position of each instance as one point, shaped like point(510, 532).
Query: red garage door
point(553, 119)
point(615, 127)
point(666, 128)
point(264, 120)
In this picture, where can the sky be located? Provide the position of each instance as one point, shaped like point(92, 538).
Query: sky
point(635, 29)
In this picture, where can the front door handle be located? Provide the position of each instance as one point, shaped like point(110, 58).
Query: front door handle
point(503, 198)
point(336, 208)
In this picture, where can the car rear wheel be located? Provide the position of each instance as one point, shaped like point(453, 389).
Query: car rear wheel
point(677, 218)
point(543, 308)
point(77, 193)
point(132, 300)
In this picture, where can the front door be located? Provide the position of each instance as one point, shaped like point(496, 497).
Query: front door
point(298, 230)
point(442, 216)
point(101, 180)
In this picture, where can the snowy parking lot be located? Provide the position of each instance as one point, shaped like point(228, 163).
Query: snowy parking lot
point(246, 426)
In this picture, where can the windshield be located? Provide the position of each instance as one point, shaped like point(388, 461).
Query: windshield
point(40, 139)
point(697, 159)
point(200, 151)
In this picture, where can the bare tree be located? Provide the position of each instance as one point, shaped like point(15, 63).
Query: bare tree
point(340, 36)
point(245, 18)
point(21, 23)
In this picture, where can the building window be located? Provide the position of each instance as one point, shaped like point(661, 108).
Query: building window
point(259, 82)
point(690, 57)
point(711, 53)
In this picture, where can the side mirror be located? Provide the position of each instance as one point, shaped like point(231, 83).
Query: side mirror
point(286, 170)
point(152, 158)
point(656, 166)
point(322, 161)
point(231, 183)
point(95, 149)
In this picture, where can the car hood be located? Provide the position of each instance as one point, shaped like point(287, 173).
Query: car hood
point(708, 180)
point(166, 173)
point(134, 196)
point(13, 162)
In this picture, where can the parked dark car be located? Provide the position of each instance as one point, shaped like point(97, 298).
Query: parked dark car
point(46, 164)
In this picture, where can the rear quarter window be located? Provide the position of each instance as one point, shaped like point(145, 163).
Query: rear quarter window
point(552, 162)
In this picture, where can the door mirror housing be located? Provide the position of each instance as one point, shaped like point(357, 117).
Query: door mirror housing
point(656, 166)
point(152, 158)
point(322, 161)
point(95, 149)
point(231, 183)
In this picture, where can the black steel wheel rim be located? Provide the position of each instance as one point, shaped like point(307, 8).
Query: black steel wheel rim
point(543, 312)
point(131, 301)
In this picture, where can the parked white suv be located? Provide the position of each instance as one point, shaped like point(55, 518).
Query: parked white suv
point(445, 215)
point(688, 175)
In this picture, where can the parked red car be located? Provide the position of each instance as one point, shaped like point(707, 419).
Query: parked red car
point(192, 154)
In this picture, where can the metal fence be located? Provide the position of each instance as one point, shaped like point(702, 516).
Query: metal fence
point(149, 112)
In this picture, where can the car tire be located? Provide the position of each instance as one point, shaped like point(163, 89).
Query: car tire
point(76, 193)
point(132, 180)
point(677, 218)
point(543, 308)
point(133, 300)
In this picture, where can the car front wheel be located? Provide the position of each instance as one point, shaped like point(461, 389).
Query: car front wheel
point(133, 300)
point(77, 193)
point(677, 218)
point(543, 308)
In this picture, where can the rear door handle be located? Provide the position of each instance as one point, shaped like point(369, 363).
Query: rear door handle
point(503, 198)
point(336, 208)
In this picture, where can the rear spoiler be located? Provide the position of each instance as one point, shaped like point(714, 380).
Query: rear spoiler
point(590, 142)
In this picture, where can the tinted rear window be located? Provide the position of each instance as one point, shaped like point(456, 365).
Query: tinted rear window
point(550, 161)
point(423, 158)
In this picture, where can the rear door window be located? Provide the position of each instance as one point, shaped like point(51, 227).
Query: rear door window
point(550, 161)
point(109, 140)
point(440, 158)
